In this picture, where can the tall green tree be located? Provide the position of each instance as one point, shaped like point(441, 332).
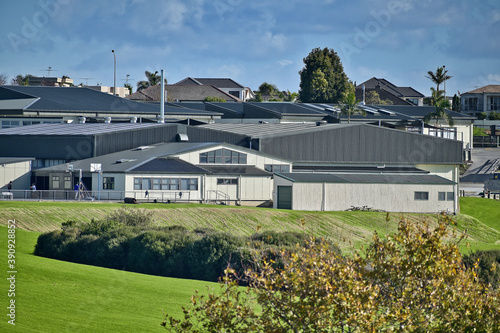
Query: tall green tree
point(440, 105)
point(439, 76)
point(22, 80)
point(322, 80)
point(373, 98)
point(268, 89)
point(455, 106)
point(152, 79)
point(129, 87)
point(349, 106)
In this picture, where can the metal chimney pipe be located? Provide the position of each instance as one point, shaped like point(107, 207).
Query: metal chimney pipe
point(162, 101)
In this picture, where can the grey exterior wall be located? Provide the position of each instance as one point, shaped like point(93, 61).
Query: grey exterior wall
point(364, 144)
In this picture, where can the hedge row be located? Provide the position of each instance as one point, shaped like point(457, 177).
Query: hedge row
point(129, 241)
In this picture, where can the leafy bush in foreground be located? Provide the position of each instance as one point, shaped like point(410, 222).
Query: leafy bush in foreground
point(129, 240)
point(411, 281)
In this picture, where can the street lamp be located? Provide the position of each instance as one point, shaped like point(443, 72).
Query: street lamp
point(114, 81)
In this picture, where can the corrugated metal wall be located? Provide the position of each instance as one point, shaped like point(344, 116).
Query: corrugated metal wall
point(364, 144)
point(198, 134)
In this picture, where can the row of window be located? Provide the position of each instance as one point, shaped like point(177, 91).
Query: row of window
point(223, 156)
point(17, 123)
point(166, 184)
point(66, 181)
point(442, 196)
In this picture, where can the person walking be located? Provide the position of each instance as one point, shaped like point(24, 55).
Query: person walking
point(77, 191)
point(9, 186)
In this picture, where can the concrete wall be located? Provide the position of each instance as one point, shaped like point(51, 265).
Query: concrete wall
point(19, 173)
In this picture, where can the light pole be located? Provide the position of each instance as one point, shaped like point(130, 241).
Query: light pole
point(114, 81)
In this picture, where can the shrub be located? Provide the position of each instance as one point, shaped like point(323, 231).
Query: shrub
point(488, 269)
point(131, 217)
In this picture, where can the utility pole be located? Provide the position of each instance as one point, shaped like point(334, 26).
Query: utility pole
point(114, 81)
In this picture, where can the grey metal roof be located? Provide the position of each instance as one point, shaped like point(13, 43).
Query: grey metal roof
point(217, 82)
point(168, 165)
point(131, 159)
point(365, 178)
point(78, 129)
point(380, 169)
point(79, 100)
point(9, 160)
point(273, 130)
point(420, 112)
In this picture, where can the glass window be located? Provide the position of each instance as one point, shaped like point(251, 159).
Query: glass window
point(493, 103)
point(146, 183)
point(421, 195)
point(184, 184)
point(108, 183)
point(137, 184)
point(441, 196)
point(67, 182)
point(450, 196)
point(55, 181)
point(227, 181)
point(174, 184)
point(156, 183)
point(223, 156)
point(193, 184)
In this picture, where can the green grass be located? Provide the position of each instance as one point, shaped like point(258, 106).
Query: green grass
point(57, 296)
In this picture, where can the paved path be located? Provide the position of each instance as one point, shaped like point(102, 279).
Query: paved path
point(485, 161)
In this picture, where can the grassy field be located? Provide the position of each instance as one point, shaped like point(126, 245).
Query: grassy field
point(56, 296)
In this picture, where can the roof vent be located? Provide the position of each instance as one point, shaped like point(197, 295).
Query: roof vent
point(142, 147)
point(107, 120)
point(263, 122)
point(82, 120)
point(319, 123)
point(123, 160)
point(181, 137)
point(133, 120)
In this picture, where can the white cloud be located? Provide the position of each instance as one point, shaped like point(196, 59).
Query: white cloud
point(284, 62)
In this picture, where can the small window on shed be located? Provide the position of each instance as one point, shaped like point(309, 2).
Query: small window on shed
point(441, 196)
point(450, 196)
point(421, 195)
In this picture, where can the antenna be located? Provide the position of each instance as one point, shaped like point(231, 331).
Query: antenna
point(48, 70)
point(86, 79)
point(127, 79)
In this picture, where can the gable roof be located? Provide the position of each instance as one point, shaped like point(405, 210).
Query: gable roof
point(376, 83)
point(177, 92)
point(216, 82)
point(491, 88)
point(383, 94)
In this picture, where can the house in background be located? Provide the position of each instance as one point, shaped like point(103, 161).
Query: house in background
point(225, 84)
point(485, 99)
point(182, 93)
point(387, 90)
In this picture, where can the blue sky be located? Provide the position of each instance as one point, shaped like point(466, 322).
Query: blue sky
point(253, 41)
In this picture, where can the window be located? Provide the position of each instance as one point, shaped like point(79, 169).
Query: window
point(450, 196)
point(421, 195)
point(227, 181)
point(166, 184)
point(471, 104)
point(493, 103)
point(441, 196)
point(108, 183)
point(55, 181)
point(30, 122)
point(67, 182)
point(277, 168)
point(10, 123)
point(414, 101)
point(223, 156)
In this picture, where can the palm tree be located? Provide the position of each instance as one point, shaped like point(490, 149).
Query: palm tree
point(152, 80)
point(439, 76)
point(21, 80)
point(349, 106)
point(440, 104)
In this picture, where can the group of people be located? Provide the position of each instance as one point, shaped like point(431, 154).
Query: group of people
point(78, 190)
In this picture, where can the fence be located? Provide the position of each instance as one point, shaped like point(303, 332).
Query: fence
point(61, 195)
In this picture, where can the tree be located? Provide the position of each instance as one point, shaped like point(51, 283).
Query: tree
point(349, 106)
point(322, 80)
point(21, 80)
point(152, 79)
point(373, 98)
point(3, 79)
point(129, 87)
point(455, 104)
point(440, 104)
point(268, 89)
point(214, 99)
point(439, 76)
point(409, 281)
